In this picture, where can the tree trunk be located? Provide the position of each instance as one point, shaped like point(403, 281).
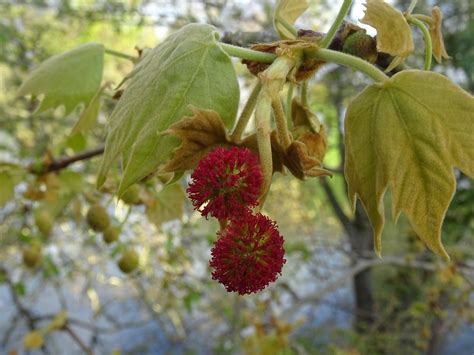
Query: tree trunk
point(361, 241)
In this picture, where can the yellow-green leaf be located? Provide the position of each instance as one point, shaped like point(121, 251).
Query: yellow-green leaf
point(58, 322)
point(188, 68)
point(167, 205)
point(289, 11)
point(33, 340)
point(394, 35)
point(408, 134)
point(67, 79)
point(88, 117)
point(439, 50)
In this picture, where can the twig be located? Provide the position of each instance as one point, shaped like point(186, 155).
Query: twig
point(64, 162)
point(78, 340)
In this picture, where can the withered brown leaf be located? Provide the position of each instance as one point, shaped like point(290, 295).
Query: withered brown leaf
point(199, 134)
point(439, 50)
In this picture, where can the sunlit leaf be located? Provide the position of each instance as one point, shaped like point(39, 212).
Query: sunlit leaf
point(288, 10)
point(408, 134)
point(33, 340)
point(439, 50)
point(188, 68)
point(167, 205)
point(67, 79)
point(394, 35)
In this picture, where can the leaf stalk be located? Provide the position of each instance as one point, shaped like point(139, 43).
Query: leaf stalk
point(426, 38)
point(346, 5)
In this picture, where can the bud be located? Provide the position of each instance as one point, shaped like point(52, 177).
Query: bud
point(44, 221)
point(132, 195)
point(97, 218)
point(128, 262)
point(361, 45)
point(111, 234)
point(32, 256)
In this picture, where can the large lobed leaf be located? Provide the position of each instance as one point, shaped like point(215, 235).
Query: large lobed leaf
point(409, 133)
point(67, 79)
point(188, 68)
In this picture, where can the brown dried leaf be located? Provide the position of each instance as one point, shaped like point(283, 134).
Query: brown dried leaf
point(199, 134)
point(304, 117)
point(301, 163)
point(439, 50)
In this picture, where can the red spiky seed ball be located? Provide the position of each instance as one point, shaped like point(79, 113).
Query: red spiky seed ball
point(248, 254)
point(226, 183)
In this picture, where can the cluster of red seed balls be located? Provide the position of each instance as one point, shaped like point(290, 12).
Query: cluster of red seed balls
point(248, 253)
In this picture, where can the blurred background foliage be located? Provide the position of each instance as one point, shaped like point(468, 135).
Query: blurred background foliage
point(334, 297)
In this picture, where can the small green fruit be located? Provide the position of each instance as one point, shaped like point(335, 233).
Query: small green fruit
point(361, 45)
point(111, 234)
point(44, 221)
point(128, 262)
point(97, 218)
point(32, 256)
point(132, 195)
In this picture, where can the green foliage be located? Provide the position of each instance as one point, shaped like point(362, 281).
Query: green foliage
point(409, 133)
point(179, 72)
point(67, 79)
point(88, 117)
point(167, 204)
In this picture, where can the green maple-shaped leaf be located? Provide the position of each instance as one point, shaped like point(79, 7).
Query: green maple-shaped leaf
point(67, 79)
point(394, 35)
point(188, 68)
point(408, 134)
point(289, 11)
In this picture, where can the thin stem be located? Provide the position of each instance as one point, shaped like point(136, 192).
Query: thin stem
point(289, 100)
point(246, 113)
point(287, 26)
point(304, 93)
point(327, 55)
point(262, 118)
point(280, 120)
point(348, 60)
point(427, 39)
point(121, 55)
point(412, 6)
point(249, 54)
point(425, 18)
point(64, 162)
point(346, 5)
